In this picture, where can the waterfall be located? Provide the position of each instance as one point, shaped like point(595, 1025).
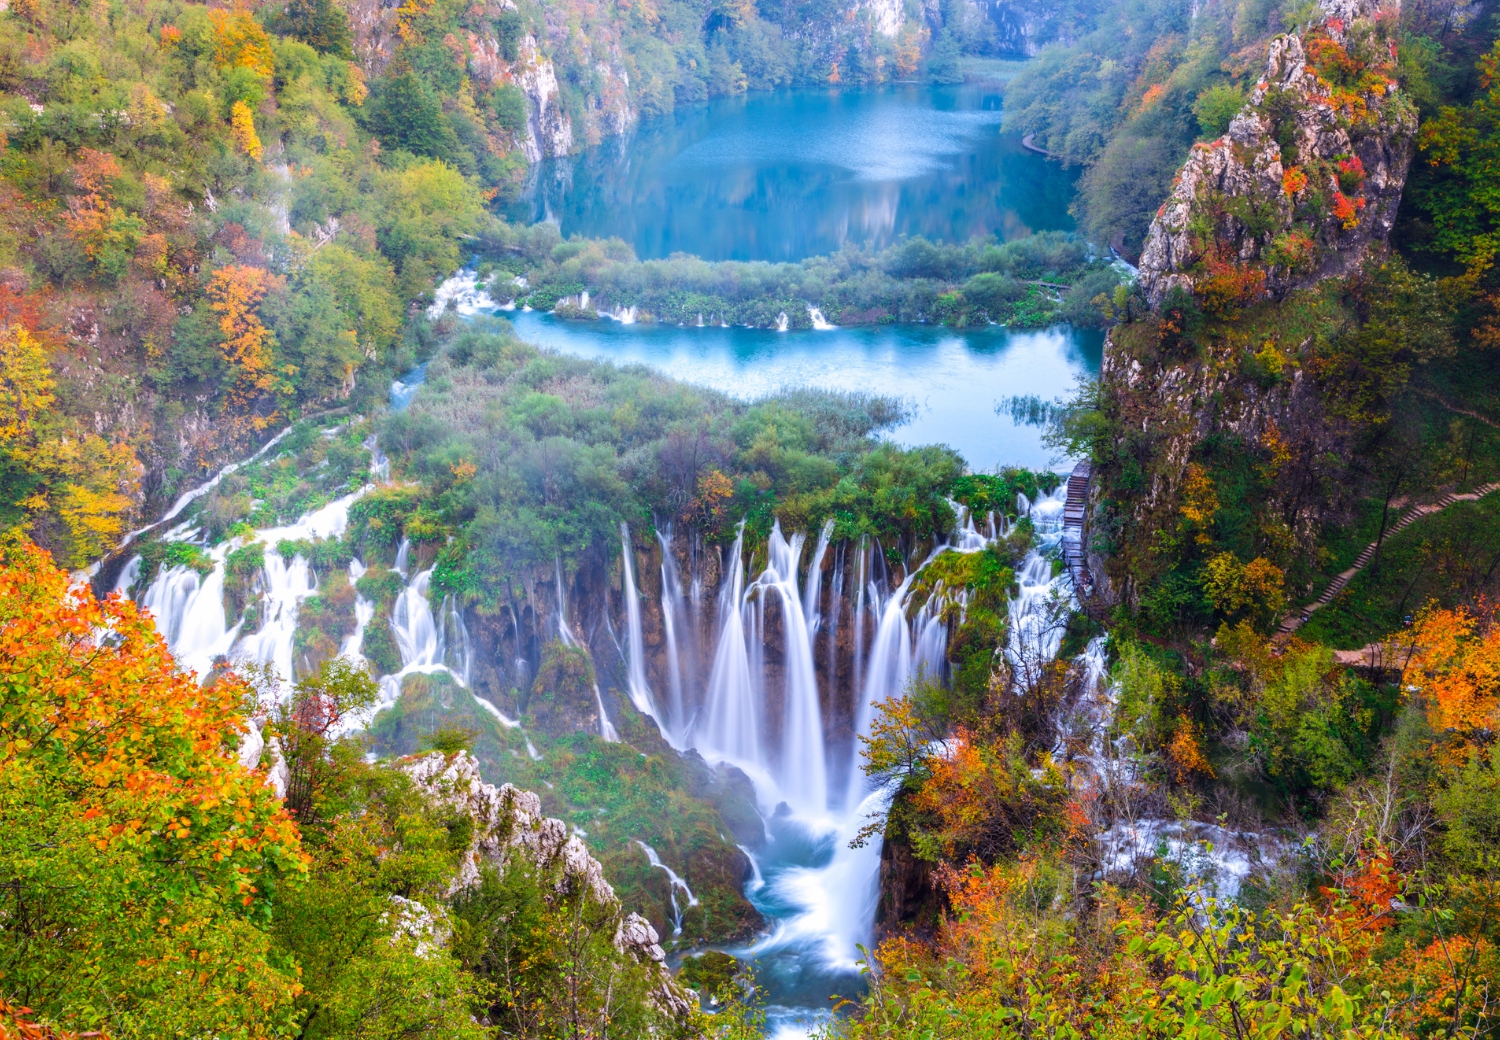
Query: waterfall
point(801, 772)
point(818, 321)
point(781, 322)
point(673, 612)
point(1038, 613)
point(675, 884)
point(815, 580)
point(189, 610)
point(731, 727)
point(364, 612)
point(635, 667)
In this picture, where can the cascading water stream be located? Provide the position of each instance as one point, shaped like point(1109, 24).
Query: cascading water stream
point(731, 726)
point(800, 768)
point(675, 884)
point(673, 615)
point(635, 665)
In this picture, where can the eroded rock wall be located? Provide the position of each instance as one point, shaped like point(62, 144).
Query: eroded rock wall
point(1305, 183)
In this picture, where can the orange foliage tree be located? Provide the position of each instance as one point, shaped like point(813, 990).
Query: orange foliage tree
point(240, 42)
point(249, 346)
point(139, 856)
point(983, 798)
point(1456, 667)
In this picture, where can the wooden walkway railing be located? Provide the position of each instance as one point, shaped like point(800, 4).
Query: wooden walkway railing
point(1075, 554)
point(1295, 619)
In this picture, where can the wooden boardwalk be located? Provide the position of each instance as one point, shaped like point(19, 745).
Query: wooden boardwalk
point(1075, 509)
point(1295, 619)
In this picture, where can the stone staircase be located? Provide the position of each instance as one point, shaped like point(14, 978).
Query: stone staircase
point(1294, 620)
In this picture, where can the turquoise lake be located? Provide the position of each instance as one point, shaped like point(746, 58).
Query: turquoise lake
point(793, 174)
point(788, 175)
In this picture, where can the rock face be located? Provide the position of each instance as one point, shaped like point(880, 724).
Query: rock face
point(508, 822)
point(549, 130)
point(1306, 181)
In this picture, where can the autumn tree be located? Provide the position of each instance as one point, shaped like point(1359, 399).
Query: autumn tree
point(1456, 668)
point(69, 489)
point(139, 854)
point(236, 291)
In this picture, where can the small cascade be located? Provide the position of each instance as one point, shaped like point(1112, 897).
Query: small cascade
point(835, 606)
point(635, 665)
point(189, 610)
point(890, 660)
point(404, 389)
point(364, 612)
point(1038, 613)
point(781, 322)
point(457, 655)
point(418, 635)
point(402, 565)
point(565, 633)
point(675, 884)
point(815, 581)
point(464, 294)
point(623, 315)
point(818, 321)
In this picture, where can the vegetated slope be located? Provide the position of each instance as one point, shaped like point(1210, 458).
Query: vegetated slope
point(1230, 832)
point(160, 883)
point(201, 240)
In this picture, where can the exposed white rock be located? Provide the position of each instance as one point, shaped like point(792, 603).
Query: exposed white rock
point(1243, 171)
point(549, 130)
point(509, 822)
point(885, 15)
point(424, 926)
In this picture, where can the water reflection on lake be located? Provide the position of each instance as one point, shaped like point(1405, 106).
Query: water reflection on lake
point(792, 174)
point(953, 379)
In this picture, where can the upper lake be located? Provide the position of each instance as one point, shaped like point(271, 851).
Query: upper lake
point(793, 174)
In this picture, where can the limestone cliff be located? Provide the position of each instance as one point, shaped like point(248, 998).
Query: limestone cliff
point(1224, 459)
point(1305, 183)
point(508, 824)
point(482, 54)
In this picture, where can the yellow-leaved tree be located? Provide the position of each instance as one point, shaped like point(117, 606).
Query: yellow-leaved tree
point(70, 490)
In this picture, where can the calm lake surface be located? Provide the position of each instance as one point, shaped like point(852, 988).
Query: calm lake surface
point(951, 379)
point(793, 174)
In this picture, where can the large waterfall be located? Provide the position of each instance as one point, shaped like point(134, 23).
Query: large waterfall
point(777, 671)
point(766, 708)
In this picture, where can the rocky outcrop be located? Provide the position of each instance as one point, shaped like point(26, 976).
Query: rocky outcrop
point(549, 130)
point(508, 823)
point(1305, 183)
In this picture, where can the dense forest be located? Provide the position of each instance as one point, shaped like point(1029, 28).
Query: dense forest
point(1251, 789)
